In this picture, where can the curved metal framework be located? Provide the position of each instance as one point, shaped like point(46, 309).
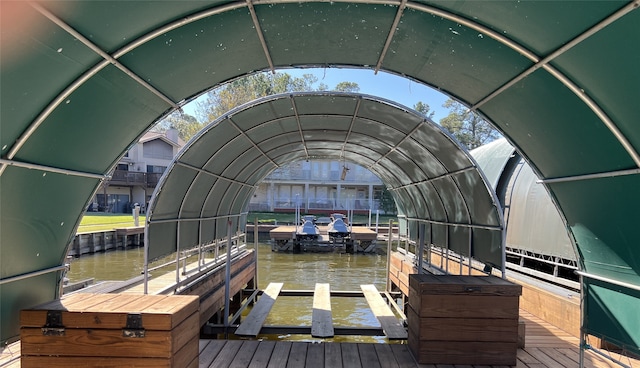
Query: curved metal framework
point(82, 81)
point(260, 142)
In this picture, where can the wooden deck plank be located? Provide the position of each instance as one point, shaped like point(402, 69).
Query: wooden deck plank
point(591, 360)
point(202, 344)
point(368, 356)
point(544, 358)
point(262, 355)
point(385, 356)
point(321, 318)
point(391, 325)
point(559, 357)
point(244, 355)
point(280, 355)
point(333, 355)
point(210, 352)
point(227, 354)
point(350, 355)
point(403, 356)
point(297, 355)
point(526, 357)
point(254, 321)
point(315, 356)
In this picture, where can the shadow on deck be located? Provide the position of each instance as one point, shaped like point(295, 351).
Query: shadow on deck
point(545, 347)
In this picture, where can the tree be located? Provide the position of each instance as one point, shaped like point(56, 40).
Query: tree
point(347, 87)
point(246, 89)
point(386, 202)
point(467, 127)
point(424, 109)
point(186, 125)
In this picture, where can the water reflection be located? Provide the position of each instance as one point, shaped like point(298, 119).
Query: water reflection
point(296, 271)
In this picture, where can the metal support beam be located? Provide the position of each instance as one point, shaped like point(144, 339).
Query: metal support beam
point(353, 121)
point(164, 221)
point(452, 173)
point(51, 169)
point(32, 274)
point(203, 171)
point(392, 32)
point(244, 134)
point(79, 36)
point(263, 42)
point(473, 226)
point(395, 147)
point(389, 243)
point(227, 275)
point(608, 280)
point(420, 247)
point(606, 174)
point(295, 112)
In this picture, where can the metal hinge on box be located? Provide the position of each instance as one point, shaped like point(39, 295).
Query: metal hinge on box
point(53, 325)
point(133, 327)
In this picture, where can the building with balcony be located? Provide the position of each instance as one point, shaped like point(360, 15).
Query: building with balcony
point(137, 173)
point(318, 187)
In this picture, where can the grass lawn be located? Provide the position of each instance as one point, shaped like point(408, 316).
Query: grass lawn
point(109, 221)
point(106, 221)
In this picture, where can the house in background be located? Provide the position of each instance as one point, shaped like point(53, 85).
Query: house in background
point(137, 173)
point(318, 187)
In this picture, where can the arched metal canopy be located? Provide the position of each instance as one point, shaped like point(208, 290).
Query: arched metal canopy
point(81, 81)
point(433, 179)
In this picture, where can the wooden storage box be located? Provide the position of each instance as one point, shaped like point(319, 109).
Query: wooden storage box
point(111, 330)
point(463, 319)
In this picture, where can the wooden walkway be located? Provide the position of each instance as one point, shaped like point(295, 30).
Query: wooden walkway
point(322, 323)
point(545, 347)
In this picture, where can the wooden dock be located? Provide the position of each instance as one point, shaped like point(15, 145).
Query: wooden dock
point(361, 240)
point(322, 318)
point(322, 326)
point(545, 347)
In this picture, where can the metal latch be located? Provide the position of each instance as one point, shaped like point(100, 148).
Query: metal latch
point(53, 325)
point(133, 328)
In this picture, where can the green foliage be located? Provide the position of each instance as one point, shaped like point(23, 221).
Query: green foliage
point(387, 203)
point(424, 109)
point(467, 127)
point(347, 87)
point(240, 91)
point(220, 100)
point(186, 125)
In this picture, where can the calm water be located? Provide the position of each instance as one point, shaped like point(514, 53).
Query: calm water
point(296, 271)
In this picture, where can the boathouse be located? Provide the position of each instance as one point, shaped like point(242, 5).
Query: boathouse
point(558, 79)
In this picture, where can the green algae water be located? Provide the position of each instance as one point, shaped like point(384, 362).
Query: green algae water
point(344, 272)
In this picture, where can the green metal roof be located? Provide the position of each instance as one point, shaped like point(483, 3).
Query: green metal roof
point(81, 81)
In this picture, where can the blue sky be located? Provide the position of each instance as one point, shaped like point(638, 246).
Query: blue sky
point(389, 86)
